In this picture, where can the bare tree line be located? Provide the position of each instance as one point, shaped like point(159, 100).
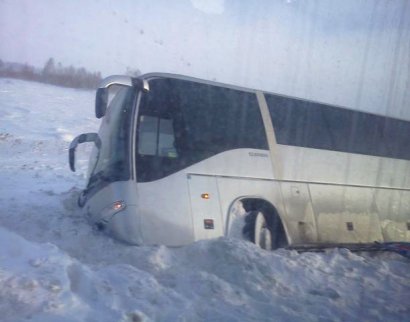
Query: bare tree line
point(52, 73)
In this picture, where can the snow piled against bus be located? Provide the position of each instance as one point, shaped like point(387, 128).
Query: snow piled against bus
point(55, 267)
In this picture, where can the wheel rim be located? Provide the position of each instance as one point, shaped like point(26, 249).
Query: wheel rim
point(263, 236)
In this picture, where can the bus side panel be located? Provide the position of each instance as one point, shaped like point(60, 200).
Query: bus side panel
point(206, 209)
point(359, 214)
point(299, 212)
point(164, 207)
point(394, 214)
point(250, 163)
point(324, 166)
point(345, 214)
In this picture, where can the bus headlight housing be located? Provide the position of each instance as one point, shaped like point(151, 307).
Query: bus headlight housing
point(111, 210)
point(118, 206)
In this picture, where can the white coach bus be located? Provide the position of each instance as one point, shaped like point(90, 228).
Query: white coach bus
point(179, 159)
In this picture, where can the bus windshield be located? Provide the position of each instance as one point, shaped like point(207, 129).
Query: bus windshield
point(112, 161)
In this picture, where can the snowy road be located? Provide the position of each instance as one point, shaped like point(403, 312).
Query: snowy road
point(54, 267)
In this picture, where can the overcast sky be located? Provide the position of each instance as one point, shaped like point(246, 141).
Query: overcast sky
point(354, 53)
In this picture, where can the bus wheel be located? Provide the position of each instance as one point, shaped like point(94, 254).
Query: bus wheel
point(257, 230)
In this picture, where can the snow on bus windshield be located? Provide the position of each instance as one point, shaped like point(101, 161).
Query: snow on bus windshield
point(295, 139)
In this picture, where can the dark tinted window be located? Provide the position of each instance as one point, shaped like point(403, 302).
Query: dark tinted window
point(202, 120)
point(320, 126)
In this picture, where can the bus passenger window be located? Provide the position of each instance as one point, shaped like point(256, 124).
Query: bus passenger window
point(147, 136)
point(156, 137)
point(166, 140)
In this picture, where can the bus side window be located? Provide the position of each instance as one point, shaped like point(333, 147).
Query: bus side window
point(166, 147)
point(147, 136)
point(156, 137)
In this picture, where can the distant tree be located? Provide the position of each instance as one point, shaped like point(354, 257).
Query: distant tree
point(52, 73)
point(27, 72)
point(49, 67)
point(81, 77)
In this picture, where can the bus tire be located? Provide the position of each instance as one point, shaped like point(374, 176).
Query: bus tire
point(258, 231)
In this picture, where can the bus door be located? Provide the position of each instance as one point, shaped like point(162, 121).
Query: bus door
point(205, 206)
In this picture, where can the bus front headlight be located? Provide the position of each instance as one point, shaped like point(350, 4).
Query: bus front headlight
point(118, 206)
point(111, 210)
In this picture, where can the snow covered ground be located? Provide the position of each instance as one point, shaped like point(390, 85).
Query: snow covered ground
point(54, 267)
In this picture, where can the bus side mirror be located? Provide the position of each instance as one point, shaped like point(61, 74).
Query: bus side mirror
point(101, 102)
point(86, 137)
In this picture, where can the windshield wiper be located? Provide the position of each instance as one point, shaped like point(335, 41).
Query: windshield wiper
point(99, 176)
